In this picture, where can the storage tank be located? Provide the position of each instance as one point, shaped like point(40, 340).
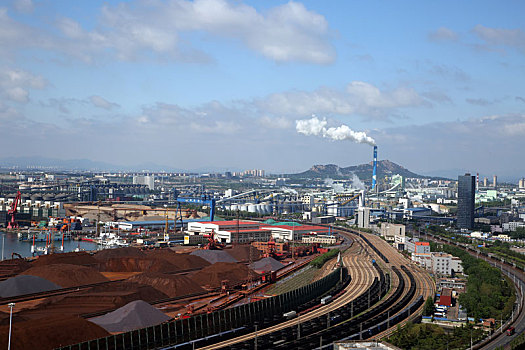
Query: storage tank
point(251, 208)
point(331, 208)
point(243, 207)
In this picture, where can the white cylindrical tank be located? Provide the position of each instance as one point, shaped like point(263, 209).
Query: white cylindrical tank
point(234, 207)
point(251, 208)
point(243, 207)
point(331, 208)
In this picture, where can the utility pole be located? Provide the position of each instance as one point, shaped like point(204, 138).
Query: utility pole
point(98, 218)
point(11, 306)
point(166, 228)
point(255, 337)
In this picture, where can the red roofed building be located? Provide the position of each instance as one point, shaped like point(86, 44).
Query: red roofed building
point(209, 226)
point(242, 231)
point(445, 299)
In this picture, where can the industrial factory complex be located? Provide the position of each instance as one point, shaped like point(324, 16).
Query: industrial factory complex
point(243, 260)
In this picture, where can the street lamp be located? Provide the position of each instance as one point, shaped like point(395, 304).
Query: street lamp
point(11, 306)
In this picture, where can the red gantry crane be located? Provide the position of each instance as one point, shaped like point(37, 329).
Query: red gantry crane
point(12, 211)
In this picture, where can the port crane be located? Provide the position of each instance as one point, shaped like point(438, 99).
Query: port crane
point(203, 200)
point(13, 210)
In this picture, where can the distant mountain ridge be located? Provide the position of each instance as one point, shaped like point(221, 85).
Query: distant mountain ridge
point(55, 164)
point(363, 171)
point(36, 162)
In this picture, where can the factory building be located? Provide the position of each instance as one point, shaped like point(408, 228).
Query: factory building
point(234, 231)
point(243, 236)
point(148, 180)
point(320, 239)
point(363, 218)
point(286, 232)
point(390, 231)
point(205, 227)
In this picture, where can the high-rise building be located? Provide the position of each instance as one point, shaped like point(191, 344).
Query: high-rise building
point(485, 182)
point(495, 181)
point(466, 197)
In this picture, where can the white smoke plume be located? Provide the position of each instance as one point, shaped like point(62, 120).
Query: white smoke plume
point(317, 127)
point(356, 182)
point(337, 187)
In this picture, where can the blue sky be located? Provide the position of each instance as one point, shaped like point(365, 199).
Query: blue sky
point(221, 84)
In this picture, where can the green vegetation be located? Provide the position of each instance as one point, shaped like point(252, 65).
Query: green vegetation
point(488, 293)
point(503, 250)
point(503, 203)
point(518, 342)
point(518, 234)
point(297, 280)
point(429, 308)
point(432, 337)
point(322, 259)
point(367, 230)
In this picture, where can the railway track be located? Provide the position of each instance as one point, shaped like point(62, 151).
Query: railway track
point(376, 298)
point(324, 313)
point(361, 280)
point(425, 286)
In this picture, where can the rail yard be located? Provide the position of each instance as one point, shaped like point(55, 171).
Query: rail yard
point(373, 290)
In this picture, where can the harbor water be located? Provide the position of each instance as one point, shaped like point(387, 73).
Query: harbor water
point(10, 244)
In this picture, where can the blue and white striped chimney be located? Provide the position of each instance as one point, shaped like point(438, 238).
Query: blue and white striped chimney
point(374, 173)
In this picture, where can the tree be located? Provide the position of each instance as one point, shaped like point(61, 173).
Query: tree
point(428, 309)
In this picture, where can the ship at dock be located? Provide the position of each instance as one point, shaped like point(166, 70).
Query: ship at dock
point(43, 236)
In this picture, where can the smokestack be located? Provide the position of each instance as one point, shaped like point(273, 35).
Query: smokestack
point(374, 172)
point(477, 181)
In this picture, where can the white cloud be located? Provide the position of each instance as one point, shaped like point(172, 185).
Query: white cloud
point(17, 94)
point(275, 123)
point(287, 32)
point(14, 84)
point(443, 34)
point(358, 98)
point(140, 28)
point(462, 144)
point(217, 127)
point(210, 118)
point(8, 113)
point(501, 37)
point(24, 6)
point(100, 102)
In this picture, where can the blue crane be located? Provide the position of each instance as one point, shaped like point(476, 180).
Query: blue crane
point(202, 200)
